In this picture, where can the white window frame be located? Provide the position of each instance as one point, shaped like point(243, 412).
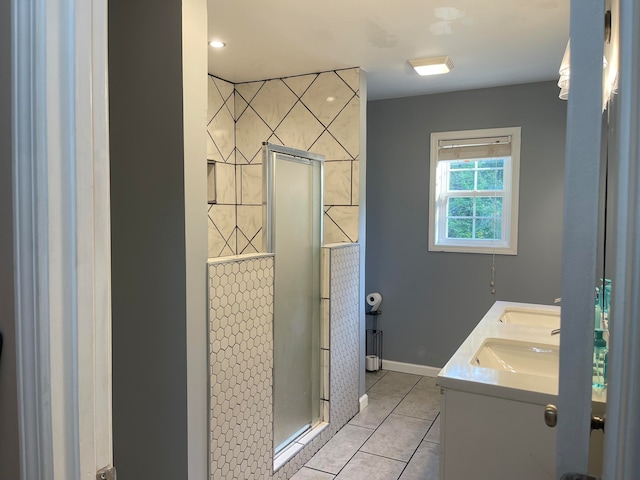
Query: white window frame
point(508, 244)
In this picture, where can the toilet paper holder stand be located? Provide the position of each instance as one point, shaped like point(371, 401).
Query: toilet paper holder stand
point(373, 343)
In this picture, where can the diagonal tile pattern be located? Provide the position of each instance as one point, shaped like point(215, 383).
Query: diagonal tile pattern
point(220, 120)
point(327, 96)
point(319, 112)
point(273, 112)
point(249, 127)
point(398, 447)
point(293, 135)
point(300, 83)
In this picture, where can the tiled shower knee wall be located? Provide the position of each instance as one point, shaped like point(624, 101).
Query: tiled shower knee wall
point(241, 358)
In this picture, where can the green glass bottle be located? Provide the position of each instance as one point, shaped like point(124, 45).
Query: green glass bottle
point(600, 354)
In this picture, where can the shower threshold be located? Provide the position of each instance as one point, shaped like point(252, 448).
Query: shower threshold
point(289, 451)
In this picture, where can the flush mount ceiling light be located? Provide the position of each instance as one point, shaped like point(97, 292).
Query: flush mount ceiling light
point(432, 66)
point(217, 44)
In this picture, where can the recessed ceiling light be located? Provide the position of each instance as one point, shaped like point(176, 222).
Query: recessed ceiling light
point(217, 44)
point(432, 66)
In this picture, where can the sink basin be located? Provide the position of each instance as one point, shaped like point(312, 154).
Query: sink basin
point(518, 357)
point(531, 317)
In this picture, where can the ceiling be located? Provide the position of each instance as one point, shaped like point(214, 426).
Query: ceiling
point(491, 42)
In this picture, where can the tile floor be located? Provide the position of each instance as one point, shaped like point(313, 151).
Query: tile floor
point(395, 437)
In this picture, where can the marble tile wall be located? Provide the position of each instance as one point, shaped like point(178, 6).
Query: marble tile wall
point(221, 150)
point(241, 358)
point(320, 113)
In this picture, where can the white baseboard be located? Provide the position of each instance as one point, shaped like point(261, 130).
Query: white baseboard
point(402, 367)
point(364, 401)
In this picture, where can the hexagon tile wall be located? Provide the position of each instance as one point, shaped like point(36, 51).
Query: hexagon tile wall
point(241, 358)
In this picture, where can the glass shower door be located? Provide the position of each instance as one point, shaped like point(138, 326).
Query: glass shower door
point(294, 234)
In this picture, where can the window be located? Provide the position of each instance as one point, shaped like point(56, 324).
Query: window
point(473, 205)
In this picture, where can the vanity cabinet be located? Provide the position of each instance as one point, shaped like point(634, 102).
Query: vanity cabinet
point(490, 438)
point(495, 388)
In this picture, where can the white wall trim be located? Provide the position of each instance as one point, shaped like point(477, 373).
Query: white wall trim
point(413, 368)
point(62, 237)
point(364, 401)
point(362, 225)
point(194, 90)
point(30, 237)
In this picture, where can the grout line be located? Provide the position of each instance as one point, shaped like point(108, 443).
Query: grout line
point(336, 224)
point(393, 411)
point(416, 450)
point(429, 441)
point(423, 439)
point(351, 457)
point(375, 382)
point(417, 418)
point(316, 470)
point(392, 395)
point(372, 434)
point(388, 458)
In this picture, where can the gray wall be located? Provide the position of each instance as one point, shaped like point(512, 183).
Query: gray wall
point(148, 239)
point(432, 300)
point(9, 447)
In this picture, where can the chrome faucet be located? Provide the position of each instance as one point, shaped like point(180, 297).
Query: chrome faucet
point(556, 331)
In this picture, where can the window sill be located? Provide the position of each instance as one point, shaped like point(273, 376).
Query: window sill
point(472, 249)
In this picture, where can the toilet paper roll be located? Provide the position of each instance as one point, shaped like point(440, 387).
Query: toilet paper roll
point(374, 300)
point(372, 363)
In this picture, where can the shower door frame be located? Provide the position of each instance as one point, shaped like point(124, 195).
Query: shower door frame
point(268, 157)
point(269, 153)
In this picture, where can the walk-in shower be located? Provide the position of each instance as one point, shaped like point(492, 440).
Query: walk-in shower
point(293, 233)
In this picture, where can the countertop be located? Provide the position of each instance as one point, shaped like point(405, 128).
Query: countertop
point(460, 374)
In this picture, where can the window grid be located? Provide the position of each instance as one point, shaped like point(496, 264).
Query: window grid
point(496, 218)
point(475, 191)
